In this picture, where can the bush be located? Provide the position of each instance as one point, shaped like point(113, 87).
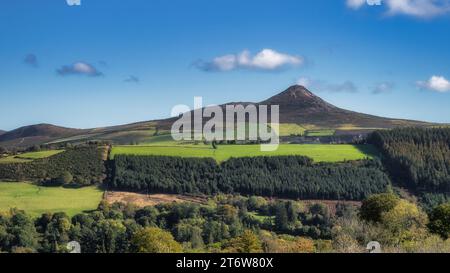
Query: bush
point(155, 240)
point(373, 207)
point(440, 220)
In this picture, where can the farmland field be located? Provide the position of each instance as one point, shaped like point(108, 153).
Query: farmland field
point(36, 200)
point(320, 133)
point(318, 152)
point(288, 129)
point(26, 157)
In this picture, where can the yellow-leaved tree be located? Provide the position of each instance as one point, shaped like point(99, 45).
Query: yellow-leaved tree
point(155, 240)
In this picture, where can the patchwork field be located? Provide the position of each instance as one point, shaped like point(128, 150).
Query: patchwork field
point(318, 152)
point(36, 200)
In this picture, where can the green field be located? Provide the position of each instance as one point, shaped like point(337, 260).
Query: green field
point(320, 133)
point(26, 157)
point(36, 200)
point(288, 129)
point(318, 152)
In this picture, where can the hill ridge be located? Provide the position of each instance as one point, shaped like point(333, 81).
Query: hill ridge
point(37, 133)
point(297, 104)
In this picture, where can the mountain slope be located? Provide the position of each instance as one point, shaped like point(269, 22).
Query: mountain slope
point(36, 134)
point(2, 132)
point(298, 107)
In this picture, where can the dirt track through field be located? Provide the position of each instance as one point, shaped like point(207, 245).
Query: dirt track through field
point(143, 200)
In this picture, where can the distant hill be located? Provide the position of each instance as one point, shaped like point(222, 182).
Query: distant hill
point(299, 108)
point(36, 134)
point(2, 132)
point(299, 105)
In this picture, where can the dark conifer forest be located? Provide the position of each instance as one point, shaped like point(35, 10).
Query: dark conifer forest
point(417, 158)
point(286, 176)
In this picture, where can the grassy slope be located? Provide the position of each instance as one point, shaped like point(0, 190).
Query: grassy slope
point(25, 157)
point(36, 200)
point(320, 153)
point(288, 129)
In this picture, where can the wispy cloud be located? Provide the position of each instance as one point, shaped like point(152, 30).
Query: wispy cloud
point(324, 86)
point(73, 2)
point(132, 79)
point(31, 60)
point(79, 68)
point(355, 4)
point(415, 8)
point(383, 88)
point(435, 83)
point(266, 59)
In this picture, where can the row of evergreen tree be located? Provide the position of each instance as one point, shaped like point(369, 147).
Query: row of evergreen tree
point(84, 164)
point(284, 176)
point(417, 158)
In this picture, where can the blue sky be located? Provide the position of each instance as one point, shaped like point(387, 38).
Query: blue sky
point(113, 62)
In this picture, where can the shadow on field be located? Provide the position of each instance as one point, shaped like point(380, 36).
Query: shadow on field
point(369, 150)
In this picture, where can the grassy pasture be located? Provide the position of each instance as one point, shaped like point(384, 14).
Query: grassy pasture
point(26, 157)
point(288, 129)
point(36, 200)
point(320, 133)
point(318, 152)
point(41, 154)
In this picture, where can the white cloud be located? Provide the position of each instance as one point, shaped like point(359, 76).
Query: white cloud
point(73, 2)
point(79, 68)
point(355, 4)
point(266, 59)
point(415, 8)
point(270, 59)
point(435, 83)
point(418, 8)
point(225, 63)
point(324, 86)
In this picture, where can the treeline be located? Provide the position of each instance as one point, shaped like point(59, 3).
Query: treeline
point(212, 227)
point(284, 176)
point(416, 158)
point(234, 224)
point(83, 165)
point(50, 146)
